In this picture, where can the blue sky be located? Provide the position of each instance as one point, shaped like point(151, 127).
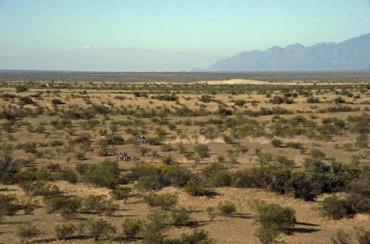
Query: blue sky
point(204, 26)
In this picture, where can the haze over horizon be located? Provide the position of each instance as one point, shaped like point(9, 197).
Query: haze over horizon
point(212, 29)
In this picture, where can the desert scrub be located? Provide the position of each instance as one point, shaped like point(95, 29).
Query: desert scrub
point(106, 174)
point(64, 231)
point(131, 228)
point(226, 208)
point(27, 231)
point(165, 201)
point(273, 219)
point(195, 188)
point(202, 150)
point(121, 193)
point(180, 217)
point(101, 229)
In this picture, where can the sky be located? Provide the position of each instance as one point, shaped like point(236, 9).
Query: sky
point(216, 27)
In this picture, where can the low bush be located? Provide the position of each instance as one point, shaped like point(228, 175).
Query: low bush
point(226, 208)
point(27, 232)
point(333, 207)
point(273, 219)
point(180, 217)
point(104, 174)
point(64, 231)
point(68, 206)
point(98, 204)
point(8, 205)
point(131, 228)
point(121, 193)
point(165, 201)
point(152, 232)
point(202, 150)
point(195, 188)
point(101, 229)
point(197, 236)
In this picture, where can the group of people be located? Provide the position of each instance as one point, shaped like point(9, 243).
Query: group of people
point(123, 155)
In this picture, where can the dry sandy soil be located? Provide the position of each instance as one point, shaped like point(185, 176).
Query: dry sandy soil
point(312, 227)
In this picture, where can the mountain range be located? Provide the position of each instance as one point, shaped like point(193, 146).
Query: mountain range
point(352, 54)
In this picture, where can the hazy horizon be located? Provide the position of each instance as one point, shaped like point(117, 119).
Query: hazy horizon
point(214, 29)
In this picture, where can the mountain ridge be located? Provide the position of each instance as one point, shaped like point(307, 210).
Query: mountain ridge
point(351, 54)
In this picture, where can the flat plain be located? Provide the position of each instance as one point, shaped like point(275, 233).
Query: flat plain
point(210, 147)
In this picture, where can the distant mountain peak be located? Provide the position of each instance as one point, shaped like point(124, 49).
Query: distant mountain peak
point(352, 54)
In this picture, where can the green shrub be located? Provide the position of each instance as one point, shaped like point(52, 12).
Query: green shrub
point(69, 205)
point(69, 174)
point(100, 228)
point(202, 150)
point(226, 208)
point(266, 235)
point(64, 230)
point(165, 201)
point(27, 231)
point(8, 205)
point(21, 88)
point(25, 100)
point(39, 188)
point(195, 188)
point(152, 233)
point(333, 207)
point(98, 204)
point(217, 175)
point(104, 174)
point(30, 206)
point(82, 168)
point(277, 142)
point(197, 236)
point(168, 160)
point(274, 216)
point(114, 140)
point(56, 101)
point(362, 235)
point(341, 237)
point(339, 100)
point(176, 175)
point(121, 193)
point(131, 228)
point(180, 217)
point(149, 177)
